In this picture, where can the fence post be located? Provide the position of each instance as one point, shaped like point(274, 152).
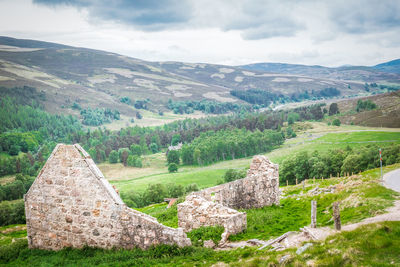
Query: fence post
point(313, 214)
point(336, 215)
point(304, 182)
point(314, 180)
point(287, 183)
point(296, 181)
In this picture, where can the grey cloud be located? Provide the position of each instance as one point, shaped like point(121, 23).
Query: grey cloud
point(254, 19)
point(144, 14)
point(359, 17)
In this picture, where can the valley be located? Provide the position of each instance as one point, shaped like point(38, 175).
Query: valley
point(163, 130)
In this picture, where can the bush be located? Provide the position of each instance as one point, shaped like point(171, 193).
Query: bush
point(155, 193)
point(232, 175)
point(174, 190)
point(172, 167)
point(191, 188)
point(336, 122)
point(113, 157)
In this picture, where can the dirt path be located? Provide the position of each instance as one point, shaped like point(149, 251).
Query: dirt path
point(391, 180)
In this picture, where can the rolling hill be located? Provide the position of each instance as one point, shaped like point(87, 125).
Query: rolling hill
point(94, 78)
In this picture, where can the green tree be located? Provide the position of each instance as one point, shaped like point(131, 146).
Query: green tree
point(333, 109)
point(113, 157)
point(136, 149)
point(154, 148)
point(176, 138)
point(173, 157)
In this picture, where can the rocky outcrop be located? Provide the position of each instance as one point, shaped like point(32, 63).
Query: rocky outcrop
point(71, 204)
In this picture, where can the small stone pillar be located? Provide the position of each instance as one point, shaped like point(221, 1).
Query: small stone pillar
point(313, 214)
point(336, 215)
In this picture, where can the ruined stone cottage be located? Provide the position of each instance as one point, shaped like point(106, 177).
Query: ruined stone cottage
point(216, 205)
point(71, 204)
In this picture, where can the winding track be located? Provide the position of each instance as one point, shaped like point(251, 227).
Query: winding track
point(392, 180)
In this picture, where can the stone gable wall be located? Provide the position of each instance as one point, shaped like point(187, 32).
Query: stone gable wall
point(71, 204)
point(258, 189)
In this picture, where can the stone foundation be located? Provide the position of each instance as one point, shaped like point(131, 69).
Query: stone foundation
point(71, 204)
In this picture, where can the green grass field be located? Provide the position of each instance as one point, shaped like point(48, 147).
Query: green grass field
point(366, 136)
point(126, 179)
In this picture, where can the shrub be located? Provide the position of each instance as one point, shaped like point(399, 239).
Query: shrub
point(232, 175)
point(174, 190)
point(191, 188)
point(172, 167)
point(336, 122)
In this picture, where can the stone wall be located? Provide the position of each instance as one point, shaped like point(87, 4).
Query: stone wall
point(71, 204)
point(216, 205)
point(258, 189)
point(196, 212)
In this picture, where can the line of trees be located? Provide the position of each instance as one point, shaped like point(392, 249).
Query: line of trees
point(305, 165)
point(265, 98)
point(206, 106)
point(228, 144)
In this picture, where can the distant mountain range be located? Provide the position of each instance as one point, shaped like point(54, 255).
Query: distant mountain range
point(96, 78)
point(345, 72)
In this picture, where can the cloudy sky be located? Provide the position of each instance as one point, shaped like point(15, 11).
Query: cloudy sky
point(331, 33)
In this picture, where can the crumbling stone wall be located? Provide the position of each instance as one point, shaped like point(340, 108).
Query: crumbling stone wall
point(196, 212)
point(258, 189)
point(71, 204)
point(216, 205)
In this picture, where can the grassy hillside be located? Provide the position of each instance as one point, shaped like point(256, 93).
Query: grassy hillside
point(386, 114)
point(99, 79)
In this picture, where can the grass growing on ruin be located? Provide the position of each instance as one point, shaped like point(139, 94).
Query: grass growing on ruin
point(168, 217)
